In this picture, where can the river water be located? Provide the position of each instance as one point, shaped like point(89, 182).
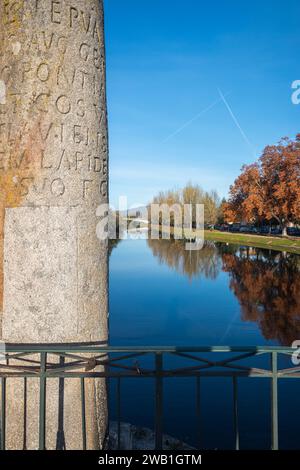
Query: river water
point(164, 295)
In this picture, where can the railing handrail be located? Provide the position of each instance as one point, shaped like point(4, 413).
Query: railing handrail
point(96, 348)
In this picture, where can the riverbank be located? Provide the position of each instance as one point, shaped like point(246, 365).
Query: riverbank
point(291, 245)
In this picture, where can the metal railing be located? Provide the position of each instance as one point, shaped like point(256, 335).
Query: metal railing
point(81, 362)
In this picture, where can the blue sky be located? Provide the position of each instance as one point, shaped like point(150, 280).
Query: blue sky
point(169, 63)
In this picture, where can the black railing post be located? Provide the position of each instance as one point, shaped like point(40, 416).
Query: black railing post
point(198, 411)
point(3, 412)
point(25, 415)
point(119, 413)
point(83, 414)
point(159, 401)
point(274, 400)
point(42, 418)
point(236, 414)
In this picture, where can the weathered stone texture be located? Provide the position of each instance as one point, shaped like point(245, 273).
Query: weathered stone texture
point(53, 175)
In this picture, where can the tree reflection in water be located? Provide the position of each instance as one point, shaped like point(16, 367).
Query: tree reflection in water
point(266, 283)
point(205, 262)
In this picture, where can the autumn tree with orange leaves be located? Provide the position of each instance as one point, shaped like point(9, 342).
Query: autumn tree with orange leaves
point(267, 288)
point(268, 189)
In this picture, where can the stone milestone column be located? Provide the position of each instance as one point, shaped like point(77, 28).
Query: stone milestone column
point(53, 176)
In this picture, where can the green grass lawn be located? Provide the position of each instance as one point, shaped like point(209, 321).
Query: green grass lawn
point(289, 244)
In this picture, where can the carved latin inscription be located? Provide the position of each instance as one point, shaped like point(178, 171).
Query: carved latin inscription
point(60, 84)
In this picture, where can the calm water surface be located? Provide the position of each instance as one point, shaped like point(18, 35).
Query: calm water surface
point(160, 294)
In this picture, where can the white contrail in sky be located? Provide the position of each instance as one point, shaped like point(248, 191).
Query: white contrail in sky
point(212, 105)
point(236, 122)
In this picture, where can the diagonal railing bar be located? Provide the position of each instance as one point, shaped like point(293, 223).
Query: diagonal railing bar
point(228, 366)
point(192, 357)
point(16, 356)
point(213, 363)
point(78, 364)
point(114, 364)
point(20, 367)
point(290, 371)
point(72, 356)
point(231, 359)
point(87, 362)
point(66, 368)
point(239, 357)
point(245, 368)
point(227, 362)
point(79, 357)
point(291, 352)
point(50, 366)
point(24, 359)
point(194, 368)
point(136, 369)
point(21, 358)
point(182, 370)
point(128, 356)
point(216, 364)
point(35, 369)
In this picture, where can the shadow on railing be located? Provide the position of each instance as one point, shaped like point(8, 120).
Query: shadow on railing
point(85, 361)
